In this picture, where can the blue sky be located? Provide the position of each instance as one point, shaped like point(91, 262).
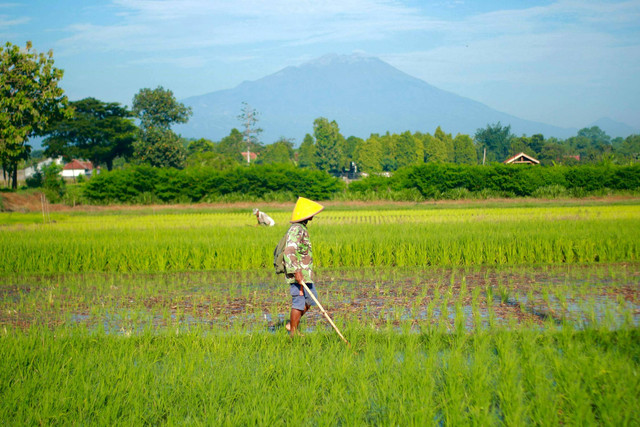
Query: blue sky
point(566, 62)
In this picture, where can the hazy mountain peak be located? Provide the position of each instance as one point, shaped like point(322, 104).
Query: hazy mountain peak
point(334, 59)
point(363, 94)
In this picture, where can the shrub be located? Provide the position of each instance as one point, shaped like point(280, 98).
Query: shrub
point(144, 184)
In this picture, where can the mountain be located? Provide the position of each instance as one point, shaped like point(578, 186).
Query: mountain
point(613, 128)
point(364, 95)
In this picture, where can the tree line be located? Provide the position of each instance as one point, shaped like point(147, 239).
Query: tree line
point(113, 136)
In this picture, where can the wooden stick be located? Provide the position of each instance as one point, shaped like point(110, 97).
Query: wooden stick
point(313, 297)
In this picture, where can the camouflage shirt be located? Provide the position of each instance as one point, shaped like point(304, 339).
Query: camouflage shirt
point(297, 254)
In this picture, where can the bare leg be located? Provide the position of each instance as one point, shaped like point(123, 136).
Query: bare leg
point(296, 315)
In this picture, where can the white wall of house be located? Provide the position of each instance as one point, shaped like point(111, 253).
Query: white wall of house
point(72, 173)
point(31, 170)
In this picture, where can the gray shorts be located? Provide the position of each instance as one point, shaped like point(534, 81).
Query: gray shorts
point(299, 301)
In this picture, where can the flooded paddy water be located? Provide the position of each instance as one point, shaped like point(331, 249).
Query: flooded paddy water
point(409, 300)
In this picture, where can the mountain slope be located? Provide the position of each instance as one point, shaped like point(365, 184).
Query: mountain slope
point(363, 95)
point(614, 128)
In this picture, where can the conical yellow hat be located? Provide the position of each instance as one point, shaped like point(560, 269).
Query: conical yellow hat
point(305, 209)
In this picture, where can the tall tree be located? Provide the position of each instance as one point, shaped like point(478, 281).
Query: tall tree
point(348, 150)
point(159, 108)
point(630, 148)
point(307, 152)
point(280, 151)
point(447, 141)
point(496, 139)
point(329, 144)
point(231, 146)
point(464, 152)
point(250, 131)
point(161, 148)
point(435, 150)
point(368, 154)
point(389, 151)
point(409, 150)
point(30, 99)
point(98, 131)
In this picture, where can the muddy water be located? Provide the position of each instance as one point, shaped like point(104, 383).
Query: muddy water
point(404, 299)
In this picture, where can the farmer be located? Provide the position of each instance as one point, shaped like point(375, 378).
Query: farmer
point(299, 261)
point(263, 218)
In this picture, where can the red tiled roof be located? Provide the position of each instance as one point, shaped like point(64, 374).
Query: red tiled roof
point(76, 164)
point(252, 155)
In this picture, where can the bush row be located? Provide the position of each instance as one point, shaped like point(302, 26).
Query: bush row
point(433, 180)
point(140, 184)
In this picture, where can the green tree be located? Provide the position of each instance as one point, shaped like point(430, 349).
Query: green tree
point(389, 150)
point(329, 144)
point(160, 147)
point(435, 150)
point(201, 145)
point(497, 141)
point(280, 151)
point(98, 131)
point(307, 152)
point(30, 99)
point(552, 152)
point(409, 150)
point(159, 108)
point(464, 152)
point(349, 149)
point(447, 141)
point(521, 144)
point(232, 146)
point(630, 148)
point(368, 154)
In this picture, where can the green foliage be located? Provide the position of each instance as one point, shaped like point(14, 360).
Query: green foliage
point(280, 151)
point(36, 180)
point(307, 152)
point(232, 146)
point(368, 154)
point(464, 152)
point(196, 184)
point(53, 183)
point(29, 100)
point(98, 131)
point(159, 147)
point(329, 143)
point(432, 180)
point(630, 148)
point(158, 108)
point(496, 139)
point(409, 149)
point(435, 150)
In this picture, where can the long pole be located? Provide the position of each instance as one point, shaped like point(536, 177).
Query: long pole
point(313, 297)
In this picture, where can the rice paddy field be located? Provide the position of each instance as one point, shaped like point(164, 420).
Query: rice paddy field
point(477, 314)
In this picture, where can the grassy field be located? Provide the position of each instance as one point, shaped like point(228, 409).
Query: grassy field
point(484, 314)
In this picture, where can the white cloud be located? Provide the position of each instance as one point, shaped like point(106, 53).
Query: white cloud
point(165, 25)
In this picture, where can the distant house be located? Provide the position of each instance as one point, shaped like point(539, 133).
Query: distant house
point(521, 158)
point(31, 170)
point(76, 168)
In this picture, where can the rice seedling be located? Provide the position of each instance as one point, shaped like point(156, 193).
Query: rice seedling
point(176, 317)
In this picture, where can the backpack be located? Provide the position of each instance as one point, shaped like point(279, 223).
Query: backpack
point(278, 255)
